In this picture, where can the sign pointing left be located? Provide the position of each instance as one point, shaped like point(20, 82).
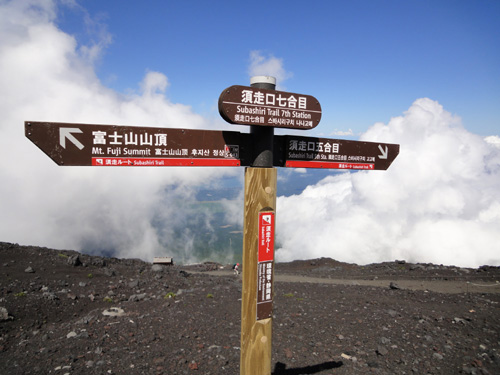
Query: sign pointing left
point(67, 133)
point(114, 145)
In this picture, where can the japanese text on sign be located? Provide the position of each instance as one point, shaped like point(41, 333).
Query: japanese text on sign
point(266, 236)
point(254, 106)
point(157, 140)
point(260, 98)
point(265, 274)
point(341, 154)
point(141, 139)
point(315, 146)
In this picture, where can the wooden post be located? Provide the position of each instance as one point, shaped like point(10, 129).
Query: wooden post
point(260, 195)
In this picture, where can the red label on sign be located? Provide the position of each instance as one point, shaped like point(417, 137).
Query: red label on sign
point(327, 165)
point(266, 236)
point(164, 162)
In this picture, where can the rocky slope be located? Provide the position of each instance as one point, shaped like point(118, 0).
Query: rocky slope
point(62, 312)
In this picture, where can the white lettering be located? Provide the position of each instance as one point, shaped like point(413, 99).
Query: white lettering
point(135, 152)
point(115, 136)
point(145, 139)
point(250, 110)
point(160, 139)
point(99, 137)
point(97, 151)
point(301, 115)
point(246, 96)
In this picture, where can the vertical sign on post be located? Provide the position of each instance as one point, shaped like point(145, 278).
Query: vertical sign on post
point(265, 265)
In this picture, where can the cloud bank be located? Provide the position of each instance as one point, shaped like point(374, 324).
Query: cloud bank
point(439, 202)
point(45, 75)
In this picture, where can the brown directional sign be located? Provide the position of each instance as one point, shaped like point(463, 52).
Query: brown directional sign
point(110, 145)
point(310, 152)
point(246, 105)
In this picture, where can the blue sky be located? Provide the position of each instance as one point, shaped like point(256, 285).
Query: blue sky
point(366, 61)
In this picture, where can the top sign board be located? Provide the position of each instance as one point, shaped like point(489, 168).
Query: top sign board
point(245, 105)
point(110, 145)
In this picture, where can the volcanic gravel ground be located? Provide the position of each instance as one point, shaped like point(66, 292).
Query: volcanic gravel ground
point(62, 312)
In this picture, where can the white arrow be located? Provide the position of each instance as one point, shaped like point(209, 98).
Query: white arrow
point(385, 152)
point(66, 133)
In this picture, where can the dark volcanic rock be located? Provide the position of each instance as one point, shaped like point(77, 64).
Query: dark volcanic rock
point(74, 260)
point(119, 316)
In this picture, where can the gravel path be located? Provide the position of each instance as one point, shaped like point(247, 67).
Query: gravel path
point(439, 286)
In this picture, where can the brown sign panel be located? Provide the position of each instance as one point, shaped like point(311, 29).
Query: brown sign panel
point(110, 145)
point(246, 105)
point(309, 152)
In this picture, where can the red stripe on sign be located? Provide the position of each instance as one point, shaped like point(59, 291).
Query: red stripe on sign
point(328, 165)
point(164, 162)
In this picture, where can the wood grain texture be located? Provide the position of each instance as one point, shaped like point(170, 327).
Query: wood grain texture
point(256, 336)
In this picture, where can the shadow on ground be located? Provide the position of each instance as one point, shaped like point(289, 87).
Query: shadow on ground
point(280, 368)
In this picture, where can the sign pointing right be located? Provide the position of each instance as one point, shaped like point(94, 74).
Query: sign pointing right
point(310, 152)
point(384, 152)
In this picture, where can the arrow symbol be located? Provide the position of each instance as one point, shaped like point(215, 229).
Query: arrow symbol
point(385, 152)
point(67, 133)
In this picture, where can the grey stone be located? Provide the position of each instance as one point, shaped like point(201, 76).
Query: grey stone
point(137, 297)
point(392, 313)
point(109, 272)
point(384, 340)
point(4, 315)
point(394, 286)
point(133, 284)
point(50, 296)
point(74, 261)
point(157, 268)
point(114, 311)
point(382, 350)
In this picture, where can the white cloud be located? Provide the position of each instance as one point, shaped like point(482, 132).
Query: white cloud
point(45, 75)
point(268, 66)
point(494, 140)
point(154, 83)
point(438, 202)
point(342, 132)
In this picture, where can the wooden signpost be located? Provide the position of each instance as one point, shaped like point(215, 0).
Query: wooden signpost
point(262, 108)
